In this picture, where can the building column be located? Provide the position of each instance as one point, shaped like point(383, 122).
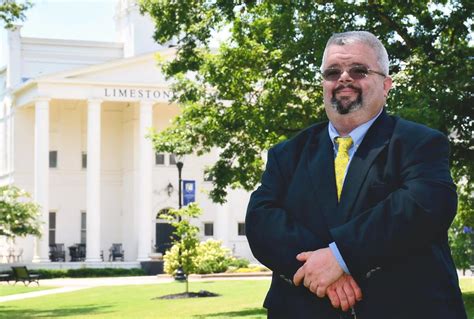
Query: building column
point(222, 227)
point(145, 171)
point(41, 176)
point(93, 181)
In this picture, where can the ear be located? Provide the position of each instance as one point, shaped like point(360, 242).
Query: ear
point(387, 85)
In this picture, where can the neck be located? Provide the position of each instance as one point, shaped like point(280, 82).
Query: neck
point(346, 123)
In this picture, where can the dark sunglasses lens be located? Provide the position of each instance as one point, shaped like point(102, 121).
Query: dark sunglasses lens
point(358, 72)
point(332, 74)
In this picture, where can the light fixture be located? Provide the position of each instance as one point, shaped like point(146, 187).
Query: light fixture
point(169, 189)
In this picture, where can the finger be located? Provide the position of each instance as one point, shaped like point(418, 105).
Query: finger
point(313, 287)
point(332, 295)
point(303, 256)
point(349, 293)
point(342, 298)
point(356, 288)
point(321, 291)
point(307, 282)
point(298, 277)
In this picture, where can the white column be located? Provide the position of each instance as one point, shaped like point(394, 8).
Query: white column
point(41, 183)
point(144, 193)
point(14, 57)
point(93, 181)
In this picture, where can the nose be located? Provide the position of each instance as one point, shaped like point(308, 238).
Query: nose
point(345, 77)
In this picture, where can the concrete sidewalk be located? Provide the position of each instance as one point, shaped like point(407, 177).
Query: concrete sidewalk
point(74, 284)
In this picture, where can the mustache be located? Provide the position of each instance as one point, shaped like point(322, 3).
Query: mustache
point(350, 86)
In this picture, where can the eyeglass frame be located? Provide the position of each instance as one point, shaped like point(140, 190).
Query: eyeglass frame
point(368, 70)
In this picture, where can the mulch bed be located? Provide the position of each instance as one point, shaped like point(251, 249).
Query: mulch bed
point(200, 294)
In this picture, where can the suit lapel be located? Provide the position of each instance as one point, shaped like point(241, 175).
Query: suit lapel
point(320, 165)
point(374, 142)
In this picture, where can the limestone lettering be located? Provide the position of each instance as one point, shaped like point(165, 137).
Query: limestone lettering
point(137, 93)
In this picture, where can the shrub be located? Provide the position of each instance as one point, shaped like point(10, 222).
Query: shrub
point(212, 257)
point(239, 263)
point(87, 272)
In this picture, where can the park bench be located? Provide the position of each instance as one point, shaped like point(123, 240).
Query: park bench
point(21, 273)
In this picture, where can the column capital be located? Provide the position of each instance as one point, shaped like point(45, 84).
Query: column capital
point(42, 100)
point(146, 102)
point(95, 101)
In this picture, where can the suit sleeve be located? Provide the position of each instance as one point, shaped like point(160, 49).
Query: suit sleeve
point(412, 217)
point(275, 238)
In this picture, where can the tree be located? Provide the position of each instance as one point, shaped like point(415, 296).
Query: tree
point(185, 239)
point(11, 11)
point(461, 234)
point(263, 83)
point(18, 214)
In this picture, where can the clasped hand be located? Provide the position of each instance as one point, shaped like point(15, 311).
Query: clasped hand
point(322, 275)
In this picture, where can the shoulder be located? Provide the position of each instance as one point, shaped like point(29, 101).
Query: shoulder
point(409, 136)
point(298, 142)
point(415, 132)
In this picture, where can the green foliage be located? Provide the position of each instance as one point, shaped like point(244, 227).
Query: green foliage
point(87, 272)
point(239, 263)
point(461, 233)
point(11, 11)
point(185, 242)
point(210, 257)
point(18, 214)
point(263, 83)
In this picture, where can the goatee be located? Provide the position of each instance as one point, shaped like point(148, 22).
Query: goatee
point(347, 107)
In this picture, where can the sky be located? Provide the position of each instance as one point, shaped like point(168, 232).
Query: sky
point(67, 19)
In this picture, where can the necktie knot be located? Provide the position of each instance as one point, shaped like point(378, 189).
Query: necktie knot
point(344, 143)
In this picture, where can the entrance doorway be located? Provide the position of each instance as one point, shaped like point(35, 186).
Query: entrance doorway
point(164, 234)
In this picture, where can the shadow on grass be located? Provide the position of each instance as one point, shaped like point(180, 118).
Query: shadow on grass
point(12, 312)
point(237, 314)
point(468, 298)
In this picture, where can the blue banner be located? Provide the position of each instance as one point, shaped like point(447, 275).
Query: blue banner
point(189, 192)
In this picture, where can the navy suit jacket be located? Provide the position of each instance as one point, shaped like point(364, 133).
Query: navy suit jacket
point(397, 203)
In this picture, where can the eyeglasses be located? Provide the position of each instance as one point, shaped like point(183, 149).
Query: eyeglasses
point(355, 72)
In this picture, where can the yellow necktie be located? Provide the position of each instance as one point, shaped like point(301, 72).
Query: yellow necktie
point(340, 163)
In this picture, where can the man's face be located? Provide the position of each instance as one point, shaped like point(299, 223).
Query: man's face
point(347, 95)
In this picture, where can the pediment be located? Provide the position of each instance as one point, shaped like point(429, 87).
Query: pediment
point(143, 69)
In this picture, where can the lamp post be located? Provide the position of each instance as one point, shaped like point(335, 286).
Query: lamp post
point(180, 275)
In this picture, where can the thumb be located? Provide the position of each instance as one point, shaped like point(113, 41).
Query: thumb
point(303, 256)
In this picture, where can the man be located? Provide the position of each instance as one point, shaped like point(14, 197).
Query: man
point(357, 209)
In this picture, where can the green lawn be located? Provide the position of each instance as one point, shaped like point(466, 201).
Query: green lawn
point(239, 299)
point(467, 287)
point(19, 288)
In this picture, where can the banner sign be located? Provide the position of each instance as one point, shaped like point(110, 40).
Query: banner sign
point(189, 192)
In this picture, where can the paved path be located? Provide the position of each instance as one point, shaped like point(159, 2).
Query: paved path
point(74, 284)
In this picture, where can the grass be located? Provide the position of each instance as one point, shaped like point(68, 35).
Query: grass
point(239, 299)
point(19, 288)
point(467, 287)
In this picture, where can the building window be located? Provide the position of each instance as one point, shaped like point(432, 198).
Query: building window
point(159, 159)
point(172, 159)
point(53, 159)
point(241, 229)
point(52, 228)
point(84, 160)
point(208, 229)
point(83, 227)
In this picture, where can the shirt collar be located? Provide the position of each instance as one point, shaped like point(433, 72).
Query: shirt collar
point(356, 134)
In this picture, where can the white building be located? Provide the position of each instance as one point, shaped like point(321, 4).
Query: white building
point(73, 120)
